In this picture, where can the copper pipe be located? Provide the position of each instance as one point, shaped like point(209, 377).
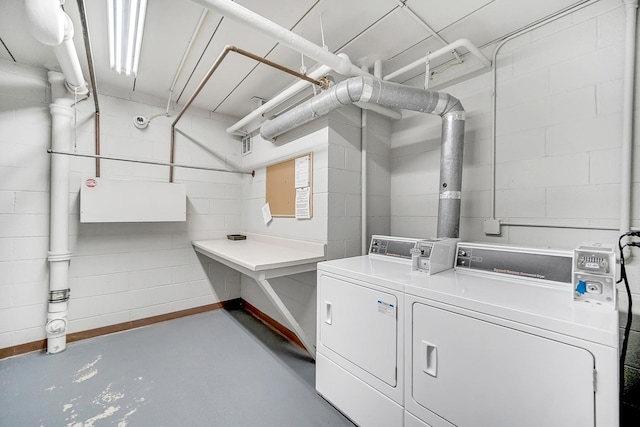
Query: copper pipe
point(92, 76)
point(214, 67)
point(97, 121)
point(277, 66)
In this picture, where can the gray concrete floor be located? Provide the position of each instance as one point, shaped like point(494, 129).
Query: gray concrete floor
point(221, 368)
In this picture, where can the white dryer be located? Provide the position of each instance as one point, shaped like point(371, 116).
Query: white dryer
point(500, 342)
point(360, 325)
point(360, 332)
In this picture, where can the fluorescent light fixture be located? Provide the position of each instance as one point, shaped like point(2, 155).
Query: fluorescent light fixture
point(126, 25)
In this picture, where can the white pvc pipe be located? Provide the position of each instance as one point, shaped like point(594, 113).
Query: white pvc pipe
point(628, 81)
point(239, 13)
point(61, 136)
point(466, 43)
point(377, 69)
point(51, 26)
point(340, 63)
point(279, 98)
point(203, 16)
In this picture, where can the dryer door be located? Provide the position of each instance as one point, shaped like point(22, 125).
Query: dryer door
point(359, 324)
point(472, 372)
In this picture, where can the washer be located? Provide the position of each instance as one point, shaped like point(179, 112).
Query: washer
point(499, 341)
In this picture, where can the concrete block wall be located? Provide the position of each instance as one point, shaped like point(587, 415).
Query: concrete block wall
point(335, 141)
point(345, 187)
point(298, 291)
point(559, 99)
point(378, 175)
point(24, 203)
point(119, 272)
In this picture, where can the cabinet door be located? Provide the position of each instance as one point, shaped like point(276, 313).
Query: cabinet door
point(360, 324)
point(475, 373)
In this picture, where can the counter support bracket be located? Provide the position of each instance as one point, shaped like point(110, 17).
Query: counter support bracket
point(277, 302)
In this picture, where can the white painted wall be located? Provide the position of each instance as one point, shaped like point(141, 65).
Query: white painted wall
point(119, 272)
point(335, 143)
point(559, 98)
point(298, 291)
point(379, 131)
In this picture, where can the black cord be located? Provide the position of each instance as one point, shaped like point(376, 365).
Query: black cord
point(627, 329)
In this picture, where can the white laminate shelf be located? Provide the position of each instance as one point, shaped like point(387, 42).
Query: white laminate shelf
point(271, 256)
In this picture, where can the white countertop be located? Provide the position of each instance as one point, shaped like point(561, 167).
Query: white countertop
point(261, 252)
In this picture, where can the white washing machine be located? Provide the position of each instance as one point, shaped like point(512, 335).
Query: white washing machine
point(360, 327)
point(499, 341)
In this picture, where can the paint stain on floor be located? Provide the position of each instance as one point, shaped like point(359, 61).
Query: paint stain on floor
point(87, 371)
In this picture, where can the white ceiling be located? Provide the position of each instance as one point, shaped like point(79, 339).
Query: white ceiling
point(366, 30)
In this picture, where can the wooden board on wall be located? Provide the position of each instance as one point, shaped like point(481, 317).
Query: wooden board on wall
point(281, 188)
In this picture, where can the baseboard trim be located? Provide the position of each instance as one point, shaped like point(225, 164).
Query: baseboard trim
point(92, 333)
point(273, 324)
point(269, 321)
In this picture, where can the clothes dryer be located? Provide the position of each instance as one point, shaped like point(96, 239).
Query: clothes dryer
point(360, 331)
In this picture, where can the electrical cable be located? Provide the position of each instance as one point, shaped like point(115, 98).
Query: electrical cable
point(627, 329)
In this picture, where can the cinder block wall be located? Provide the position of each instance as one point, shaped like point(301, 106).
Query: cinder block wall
point(119, 272)
point(559, 103)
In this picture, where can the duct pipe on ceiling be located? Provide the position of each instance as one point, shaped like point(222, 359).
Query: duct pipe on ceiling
point(52, 27)
point(295, 89)
point(368, 89)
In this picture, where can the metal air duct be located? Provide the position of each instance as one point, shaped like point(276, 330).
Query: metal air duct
point(375, 91)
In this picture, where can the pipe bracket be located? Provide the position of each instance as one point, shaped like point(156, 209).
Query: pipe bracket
point(59, 295)
point(450, 195)
point(455, 115)
point(60, 256)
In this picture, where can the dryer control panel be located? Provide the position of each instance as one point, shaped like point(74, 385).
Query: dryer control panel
point(394, 247)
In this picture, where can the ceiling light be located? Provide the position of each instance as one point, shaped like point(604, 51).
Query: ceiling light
point(126, 25)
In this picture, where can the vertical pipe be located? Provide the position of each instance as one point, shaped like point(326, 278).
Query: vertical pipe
point(631, 7)
point(364, 173)
point(451, 174)
point(59, 255)
point(97, 150)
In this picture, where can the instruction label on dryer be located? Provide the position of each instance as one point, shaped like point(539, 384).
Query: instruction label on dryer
point(386, 308)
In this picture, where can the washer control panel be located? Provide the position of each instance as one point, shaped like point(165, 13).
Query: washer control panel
point(524, 263)
point(594, 275)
